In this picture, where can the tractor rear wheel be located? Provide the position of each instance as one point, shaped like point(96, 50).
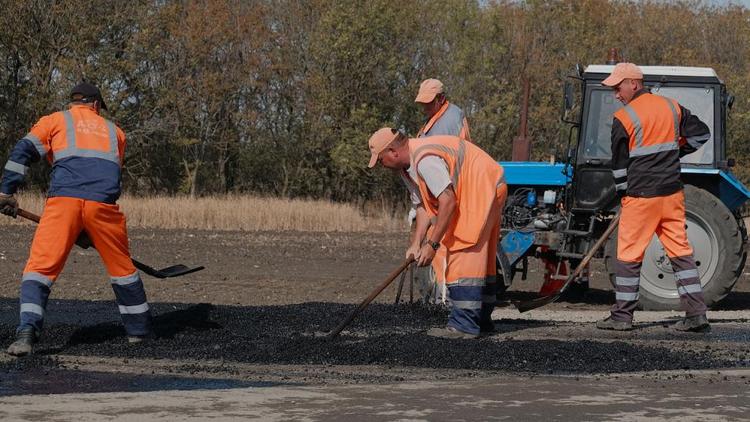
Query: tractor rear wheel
point(718, 241)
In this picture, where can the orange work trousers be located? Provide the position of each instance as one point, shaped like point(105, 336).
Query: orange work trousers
point(62, 222)
point(479, 261)
point(471, 274)
point(642, 217)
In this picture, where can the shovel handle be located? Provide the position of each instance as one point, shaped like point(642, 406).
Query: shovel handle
point(392, 276)
point(27, 215)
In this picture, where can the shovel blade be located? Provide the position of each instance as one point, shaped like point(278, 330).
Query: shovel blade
point(178, 270)
point(535, 303)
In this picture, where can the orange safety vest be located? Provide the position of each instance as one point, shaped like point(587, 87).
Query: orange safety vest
point(653, 124)
point(463, 134)
point(475, 177)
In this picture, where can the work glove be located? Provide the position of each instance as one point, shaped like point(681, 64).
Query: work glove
point(8, 205)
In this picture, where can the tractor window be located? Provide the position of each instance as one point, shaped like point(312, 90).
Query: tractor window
point(598, 142)
point(602, 105)
point(700, 102)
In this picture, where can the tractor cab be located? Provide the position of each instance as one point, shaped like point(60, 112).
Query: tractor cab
point(698, 89)
point(556, 211)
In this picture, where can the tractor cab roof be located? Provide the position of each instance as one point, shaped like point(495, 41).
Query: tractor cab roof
point(659, 73)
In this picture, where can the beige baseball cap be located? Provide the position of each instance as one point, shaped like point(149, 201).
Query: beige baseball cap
point(621, 72)
point(428, 90)
point(380, 141)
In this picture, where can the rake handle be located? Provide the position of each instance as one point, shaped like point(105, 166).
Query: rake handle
point(392, 276)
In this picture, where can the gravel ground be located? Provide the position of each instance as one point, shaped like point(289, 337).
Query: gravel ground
point(255, 315)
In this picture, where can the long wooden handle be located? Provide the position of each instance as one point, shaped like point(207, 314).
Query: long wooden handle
point(585, 261)
point(543, 300)
point(392, 276)
point(27, 215)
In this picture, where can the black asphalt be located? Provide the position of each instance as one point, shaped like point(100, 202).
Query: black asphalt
point(391, 335)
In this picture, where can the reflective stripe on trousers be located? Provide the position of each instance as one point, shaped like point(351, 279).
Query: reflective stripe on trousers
point(627, 277)
point(131, 301)
point(688, 285)
point(35, 290)
point(466, 301)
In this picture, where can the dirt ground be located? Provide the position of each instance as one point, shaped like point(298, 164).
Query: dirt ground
point(250, 323)
point(264, 268)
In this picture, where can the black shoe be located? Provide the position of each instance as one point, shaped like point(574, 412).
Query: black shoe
point(25, 339)
point(695, 324)
point(486, 327)
point(612, 324)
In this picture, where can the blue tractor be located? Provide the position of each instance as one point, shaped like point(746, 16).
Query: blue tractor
point(556, 211)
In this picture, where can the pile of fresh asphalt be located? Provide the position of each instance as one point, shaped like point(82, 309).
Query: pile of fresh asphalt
point(390, 335)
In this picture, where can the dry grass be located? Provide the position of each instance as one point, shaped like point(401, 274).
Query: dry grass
point(246, 213)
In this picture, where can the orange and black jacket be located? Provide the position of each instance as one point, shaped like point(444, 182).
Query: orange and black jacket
point(84, 149)
point(649, 135)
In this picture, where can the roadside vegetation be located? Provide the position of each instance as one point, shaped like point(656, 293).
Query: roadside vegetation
point(276, 98)
point(244, 213)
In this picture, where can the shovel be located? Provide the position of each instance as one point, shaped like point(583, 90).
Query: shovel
point(84, 242)
point(392, 276)
point(544, 300)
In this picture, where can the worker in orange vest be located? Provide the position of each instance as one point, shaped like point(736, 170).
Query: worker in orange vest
point(649, 135)
point(463, 188)
point(86, 153)
point(443, 118)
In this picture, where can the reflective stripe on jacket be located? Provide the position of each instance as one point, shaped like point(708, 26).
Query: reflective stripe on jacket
point(649, 135)
point(449, 120)
point(475, 177)
point(85, 151)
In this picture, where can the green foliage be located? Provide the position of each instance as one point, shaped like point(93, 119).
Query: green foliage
point(279, 96)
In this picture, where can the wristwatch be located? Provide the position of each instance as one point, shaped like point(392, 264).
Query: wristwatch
point(433, 245)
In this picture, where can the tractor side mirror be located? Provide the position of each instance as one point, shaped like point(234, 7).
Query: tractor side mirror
point(568, 96)
point(571, 110)
point(729, 101)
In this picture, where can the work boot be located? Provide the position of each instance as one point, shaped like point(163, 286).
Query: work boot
point(450, 332)
point(486, 327)
point(25, 338)
point(695, 324)
point(612, 324)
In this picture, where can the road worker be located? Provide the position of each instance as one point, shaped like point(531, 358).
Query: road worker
point(649, 135)
point(86, 153)
point(463, 187)
point(443, 118)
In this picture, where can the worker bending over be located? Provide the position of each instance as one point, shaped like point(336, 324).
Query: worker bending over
point(463, 187)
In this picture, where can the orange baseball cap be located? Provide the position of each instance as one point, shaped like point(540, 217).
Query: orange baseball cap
point(380, 141)
point(621, 72)
point(428, 90)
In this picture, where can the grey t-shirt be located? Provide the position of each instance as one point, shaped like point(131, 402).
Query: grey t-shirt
point(434, 171)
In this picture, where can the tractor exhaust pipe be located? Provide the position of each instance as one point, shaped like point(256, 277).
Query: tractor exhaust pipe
point(522, 144)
